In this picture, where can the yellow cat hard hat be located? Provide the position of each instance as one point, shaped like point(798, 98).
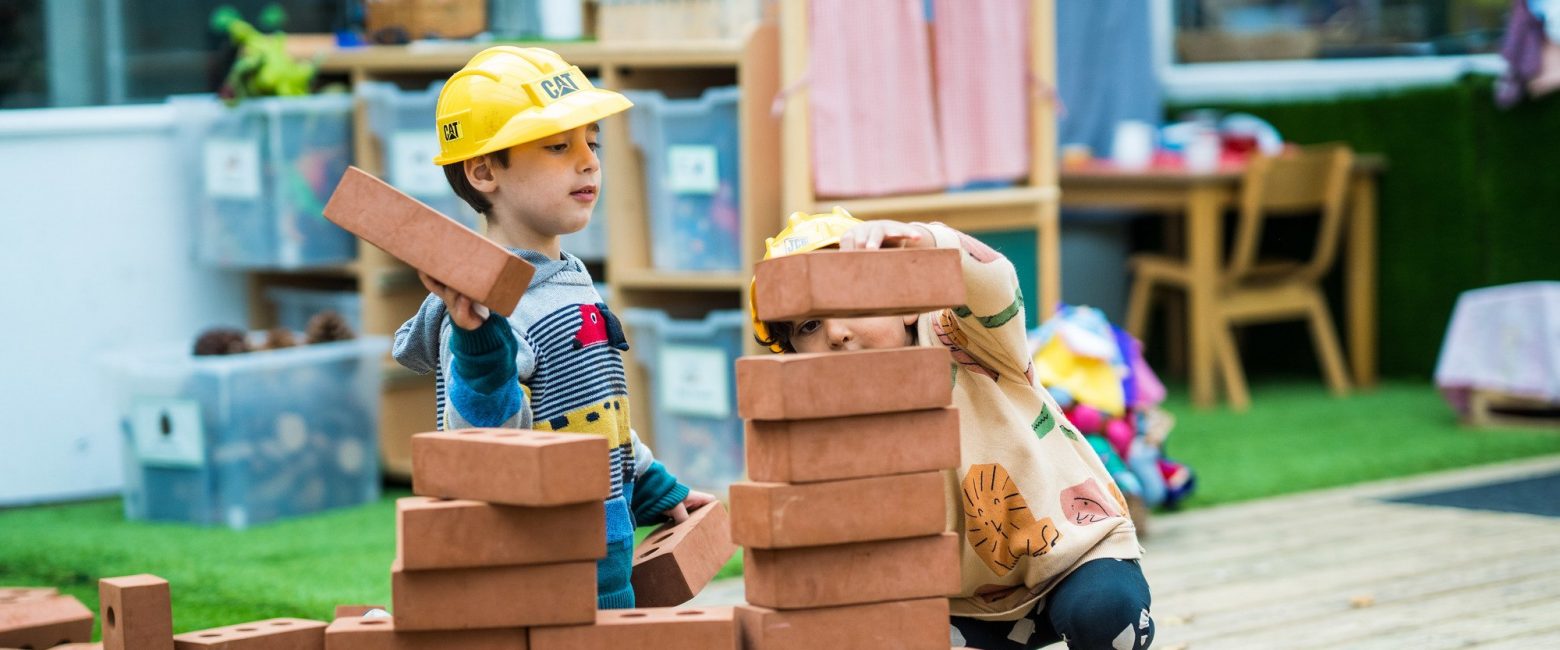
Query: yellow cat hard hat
point(803, 233)
point(510, 95)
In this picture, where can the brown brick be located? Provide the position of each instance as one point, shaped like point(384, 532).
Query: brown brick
point(270, 634)
point(45, 622)
point(851, 574)
point(674, 563)
point(428, 241)
point(16, 594)
point(434, 533)
point(513, 596)
point(349, 611)
point(784, 515)
point(511, 467)
point(137, 613)
point(830, 449)
point(690, 628)
point(380, 634)
point(880, 282)
point(903, 625)
point(827, 385)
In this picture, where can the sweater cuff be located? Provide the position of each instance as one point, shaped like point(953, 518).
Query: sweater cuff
point(493, 334)
point(655, 493)
point(485, 357)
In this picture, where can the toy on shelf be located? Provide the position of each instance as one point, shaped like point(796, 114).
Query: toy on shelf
point(1095, 371)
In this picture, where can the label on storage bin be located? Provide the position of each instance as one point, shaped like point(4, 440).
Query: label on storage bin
point(692, 169)
point(695, 380)
point(168, 433)
point(411, 155)
point(232, 168)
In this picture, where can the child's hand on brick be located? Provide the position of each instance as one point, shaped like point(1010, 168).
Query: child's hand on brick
point(466, 313)
point(694, 501)
point(885, 233)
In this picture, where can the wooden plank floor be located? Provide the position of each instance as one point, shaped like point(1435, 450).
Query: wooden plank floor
point(1344, 569)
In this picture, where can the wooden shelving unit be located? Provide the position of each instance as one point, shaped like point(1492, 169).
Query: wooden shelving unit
point(775, 179)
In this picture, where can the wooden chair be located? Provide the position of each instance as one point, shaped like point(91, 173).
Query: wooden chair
point(1255, 290)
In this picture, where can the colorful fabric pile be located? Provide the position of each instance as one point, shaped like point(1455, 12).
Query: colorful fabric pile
point(1097, 374)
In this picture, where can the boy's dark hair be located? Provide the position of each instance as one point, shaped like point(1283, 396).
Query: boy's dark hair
point(779, 334)
point(455, 173)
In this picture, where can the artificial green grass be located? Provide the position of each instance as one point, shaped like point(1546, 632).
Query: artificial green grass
point(1295, 438)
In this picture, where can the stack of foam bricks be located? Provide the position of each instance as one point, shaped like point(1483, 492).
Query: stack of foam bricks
point(844, 523)
point(499, 551)
point(137, 614)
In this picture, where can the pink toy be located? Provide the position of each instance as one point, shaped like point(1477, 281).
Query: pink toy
point(1087, 419)
point(1119, 432)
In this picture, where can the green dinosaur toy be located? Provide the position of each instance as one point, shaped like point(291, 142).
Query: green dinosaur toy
point(263, 67)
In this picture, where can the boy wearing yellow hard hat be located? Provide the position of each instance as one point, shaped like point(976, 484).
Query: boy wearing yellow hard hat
point(1048, 551)
point(517, 130)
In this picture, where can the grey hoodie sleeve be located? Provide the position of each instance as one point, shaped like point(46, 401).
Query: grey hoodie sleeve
point(417, 341)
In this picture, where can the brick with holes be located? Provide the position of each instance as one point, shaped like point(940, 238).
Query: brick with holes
point(785, 515)
point(827, 385)
point(429, 241)
point(270, 634)
point(691, 628)
point(852, 574)
point(904, 625)
point(831, 449)
point(674, 563)
point(512, 596)
point(356, 633)
point(137, 613)
point(44, 622)
point(435, 533)
point(510, 467)
point(883, 282)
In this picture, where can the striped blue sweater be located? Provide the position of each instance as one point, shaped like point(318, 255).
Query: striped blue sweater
point(556, 364)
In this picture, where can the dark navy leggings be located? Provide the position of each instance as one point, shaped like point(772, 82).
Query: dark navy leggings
point(1103, 604)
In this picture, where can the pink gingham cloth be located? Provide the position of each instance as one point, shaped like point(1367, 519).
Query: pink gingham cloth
point(874, 131)
point(983, 88)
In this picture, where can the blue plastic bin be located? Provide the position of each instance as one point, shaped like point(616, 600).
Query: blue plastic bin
point(263, 171)
point(294, 307)
point(251, 438)
point(692, 153)
point(691, 363)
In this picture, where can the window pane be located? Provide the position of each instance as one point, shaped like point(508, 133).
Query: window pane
point(1246, 30)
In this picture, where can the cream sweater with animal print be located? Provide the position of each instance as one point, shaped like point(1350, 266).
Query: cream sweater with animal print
point(1031, 500)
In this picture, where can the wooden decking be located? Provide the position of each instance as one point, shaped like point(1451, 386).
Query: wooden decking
point(1343, 569)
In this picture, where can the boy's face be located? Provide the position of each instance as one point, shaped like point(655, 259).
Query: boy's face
point(851, 334)
point(552, 184)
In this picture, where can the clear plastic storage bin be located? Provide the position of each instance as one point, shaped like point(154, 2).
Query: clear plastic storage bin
point(692, 178)
point(294, 307)
point(246, 439)
point(692, 380)
point(403, 122)
point(263, 171)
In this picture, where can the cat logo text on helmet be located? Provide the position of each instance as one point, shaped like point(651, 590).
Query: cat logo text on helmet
point(803, 233)
point(510, 95)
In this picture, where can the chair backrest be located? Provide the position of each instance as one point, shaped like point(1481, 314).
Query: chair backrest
point(1302, 181)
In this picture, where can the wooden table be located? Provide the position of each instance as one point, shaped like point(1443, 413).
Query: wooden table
point(1203, 198)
